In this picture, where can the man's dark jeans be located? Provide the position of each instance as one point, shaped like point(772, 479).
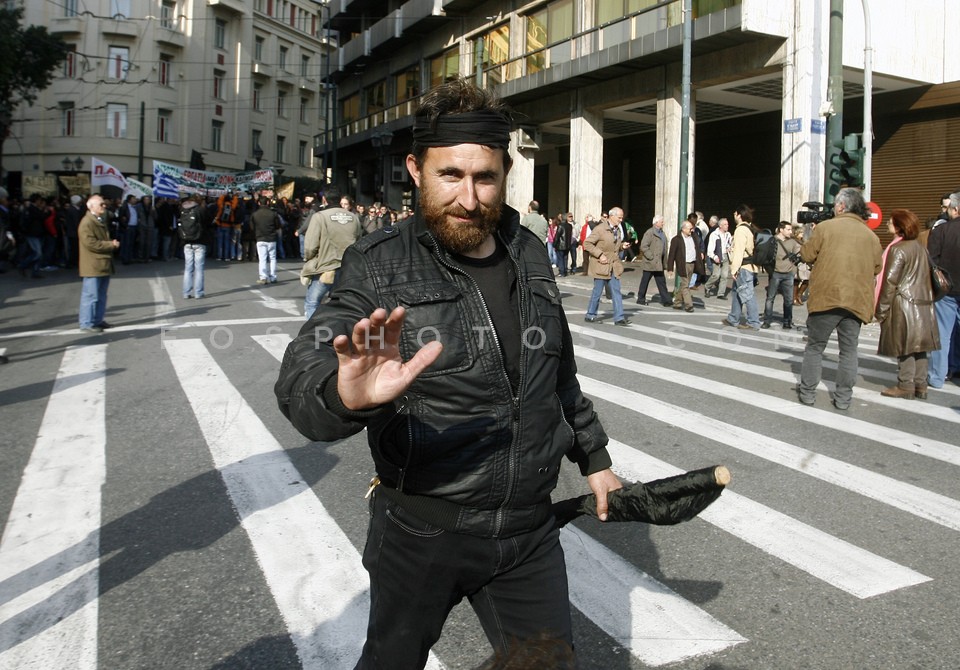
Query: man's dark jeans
point(418, 573)
point(782, 283)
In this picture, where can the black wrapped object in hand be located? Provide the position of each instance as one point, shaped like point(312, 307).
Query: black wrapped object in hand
point(662, 502)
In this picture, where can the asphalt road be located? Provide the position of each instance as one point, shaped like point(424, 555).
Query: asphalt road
point(159, 512)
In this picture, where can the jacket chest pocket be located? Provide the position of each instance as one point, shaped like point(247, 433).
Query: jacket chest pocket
point(436, 312)
point(545, 331)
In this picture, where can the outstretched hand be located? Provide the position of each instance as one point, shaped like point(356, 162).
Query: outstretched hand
point(601, 483)
point(371, 371)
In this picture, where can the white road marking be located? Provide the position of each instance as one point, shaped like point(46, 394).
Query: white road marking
point(655, 624)
point(163, 305)
point(936, 449)
point(312, 569)
point(284, 305)
point(835, 561)
point(49, 554)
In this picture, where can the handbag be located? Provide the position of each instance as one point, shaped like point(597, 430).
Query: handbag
point(940, 280)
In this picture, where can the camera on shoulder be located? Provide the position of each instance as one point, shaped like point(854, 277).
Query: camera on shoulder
point(815, 212)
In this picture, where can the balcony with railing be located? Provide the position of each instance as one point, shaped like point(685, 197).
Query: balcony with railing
point(653, 34)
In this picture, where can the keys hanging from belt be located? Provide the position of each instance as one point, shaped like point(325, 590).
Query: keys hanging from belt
point(374, 483)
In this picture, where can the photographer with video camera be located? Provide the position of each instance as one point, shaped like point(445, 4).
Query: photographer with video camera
point(781, 278)
point(845, 256)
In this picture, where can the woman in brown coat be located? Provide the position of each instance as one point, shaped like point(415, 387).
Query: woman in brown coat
point(908, 325)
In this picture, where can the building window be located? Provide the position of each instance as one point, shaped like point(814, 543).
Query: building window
point(67, 119)
point(282, 104)
point(70, 62)
point(218, 76)
point(220, 34)
point(553, 23)
point(494, 49)
point(304, 103)
point(120, 8)
point(116, 120)
point(168, 15)
point(408, 84)
point(350, 108)
point(258, 49)
point(216, 135)
point(282, 64)
point(281, 146)
point(257, 96)
point(164, 67)
point(376, 97)
point(119, 59)
point(164, 123)
point(445, 66)
point(70, 8)
point(303, 154)
point(304, 66)
point(254, 140)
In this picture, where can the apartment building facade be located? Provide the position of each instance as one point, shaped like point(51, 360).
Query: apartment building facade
point(160, 79)
point(597, 88)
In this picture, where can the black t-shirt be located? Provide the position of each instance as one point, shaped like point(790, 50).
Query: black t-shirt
point(497, 280)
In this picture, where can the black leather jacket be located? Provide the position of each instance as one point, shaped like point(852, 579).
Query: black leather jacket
point(458, 448)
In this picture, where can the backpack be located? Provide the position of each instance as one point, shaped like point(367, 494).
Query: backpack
point(189, 228)
point(764, 254)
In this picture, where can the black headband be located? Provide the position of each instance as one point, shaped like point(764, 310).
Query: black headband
point(485, 127)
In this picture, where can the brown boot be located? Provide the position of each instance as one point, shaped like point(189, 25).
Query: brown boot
point(920, 392)
point(897, 392)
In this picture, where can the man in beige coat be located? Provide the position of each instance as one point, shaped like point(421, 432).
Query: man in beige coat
point(846, 258)
point(329, 233)
point(603, 246)
point(96, 265)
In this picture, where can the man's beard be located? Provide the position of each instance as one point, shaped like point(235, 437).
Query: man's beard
point(459, 237)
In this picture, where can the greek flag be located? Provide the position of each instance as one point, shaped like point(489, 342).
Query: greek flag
point(164, 185)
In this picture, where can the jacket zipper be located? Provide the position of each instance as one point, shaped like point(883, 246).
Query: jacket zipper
point(403, 471)
point(512, 461)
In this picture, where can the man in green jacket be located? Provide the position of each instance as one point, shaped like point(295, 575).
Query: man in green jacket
point(96, 265)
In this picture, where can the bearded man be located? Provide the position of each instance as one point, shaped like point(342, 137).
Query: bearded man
point(445, 338)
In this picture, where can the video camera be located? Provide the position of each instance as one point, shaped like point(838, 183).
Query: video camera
point(815, 213)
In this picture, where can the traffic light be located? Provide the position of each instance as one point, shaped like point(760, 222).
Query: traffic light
point(846, 160)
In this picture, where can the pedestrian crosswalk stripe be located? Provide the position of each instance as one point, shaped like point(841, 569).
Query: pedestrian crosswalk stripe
point(286, 305)
point(644, 616)
point(49, 554)
point(828, 558)
point(163, 305)
point(925, 504)
point(930, 410)
point(312, 569)
point(936, 449)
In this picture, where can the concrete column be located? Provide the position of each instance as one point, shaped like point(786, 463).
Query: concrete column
point(520, 180)
point(803, 143)
point(586, 161)
point(667, 188)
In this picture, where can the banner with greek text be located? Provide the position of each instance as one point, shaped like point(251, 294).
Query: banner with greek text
point(104, 174)
point(172, 180)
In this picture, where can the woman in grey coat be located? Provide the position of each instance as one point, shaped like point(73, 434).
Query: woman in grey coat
point(908, 325)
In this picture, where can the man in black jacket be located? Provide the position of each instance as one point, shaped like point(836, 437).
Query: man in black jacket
point(445, 337)
point(266, 223)
point(944, 247)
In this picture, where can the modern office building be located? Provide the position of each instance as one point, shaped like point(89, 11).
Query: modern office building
point(160, 79)
point(597, 88)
